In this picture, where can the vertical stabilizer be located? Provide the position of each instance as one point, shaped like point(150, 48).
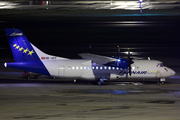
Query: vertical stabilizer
point(21, 48)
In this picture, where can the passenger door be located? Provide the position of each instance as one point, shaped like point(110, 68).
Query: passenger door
point(61, 70)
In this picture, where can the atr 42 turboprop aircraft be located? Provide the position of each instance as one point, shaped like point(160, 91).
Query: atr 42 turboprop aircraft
point(93, 67)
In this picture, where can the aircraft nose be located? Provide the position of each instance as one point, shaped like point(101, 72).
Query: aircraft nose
point(173, 72)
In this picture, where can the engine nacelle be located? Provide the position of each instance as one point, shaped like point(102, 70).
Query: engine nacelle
point(114, 77)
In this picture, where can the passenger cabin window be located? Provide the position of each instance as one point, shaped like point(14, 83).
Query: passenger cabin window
point(160, 65)
point(101, 67)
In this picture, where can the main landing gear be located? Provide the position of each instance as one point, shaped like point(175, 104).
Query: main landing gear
point(27, 75)
point(99, 82)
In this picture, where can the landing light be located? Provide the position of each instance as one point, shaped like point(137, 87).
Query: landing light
point(133, 68)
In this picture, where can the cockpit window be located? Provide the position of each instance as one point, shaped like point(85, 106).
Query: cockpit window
point(160, 65)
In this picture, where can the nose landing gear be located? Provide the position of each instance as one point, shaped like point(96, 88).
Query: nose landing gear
point(161, 81)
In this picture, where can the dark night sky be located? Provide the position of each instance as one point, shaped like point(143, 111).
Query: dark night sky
point(156, 37)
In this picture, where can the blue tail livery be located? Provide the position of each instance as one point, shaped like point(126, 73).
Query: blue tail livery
point(24, 54)
point(20, 46)
point(92, 67)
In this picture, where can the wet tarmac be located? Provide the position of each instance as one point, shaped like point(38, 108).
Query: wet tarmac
point(73, 101)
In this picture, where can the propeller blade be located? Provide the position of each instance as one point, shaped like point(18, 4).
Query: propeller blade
point(130, 62)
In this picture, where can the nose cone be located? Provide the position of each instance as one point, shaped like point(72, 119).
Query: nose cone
point(167, 72)
point(173, 72)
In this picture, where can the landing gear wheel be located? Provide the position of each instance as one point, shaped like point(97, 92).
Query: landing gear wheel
point(161, 81)
point(99, 83)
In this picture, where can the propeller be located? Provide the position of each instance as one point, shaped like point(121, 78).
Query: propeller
point(128, 58)
point(130, 62)
point(118, 52)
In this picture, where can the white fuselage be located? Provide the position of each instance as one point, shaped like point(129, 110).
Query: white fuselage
point(84, 69)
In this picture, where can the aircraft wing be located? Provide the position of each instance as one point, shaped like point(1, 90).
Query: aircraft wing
point(97, 59)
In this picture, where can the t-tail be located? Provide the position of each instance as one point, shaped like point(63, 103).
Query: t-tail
point(27, 57)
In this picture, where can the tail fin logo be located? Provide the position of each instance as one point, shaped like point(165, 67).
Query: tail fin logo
point(21, 49)
point(25, 50)
point(31, 52)
point(16, 34)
